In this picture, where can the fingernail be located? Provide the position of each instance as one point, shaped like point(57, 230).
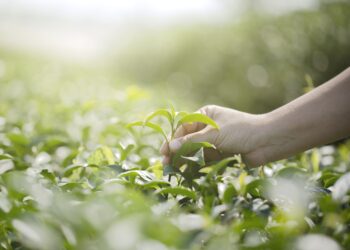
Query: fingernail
point(174, 145)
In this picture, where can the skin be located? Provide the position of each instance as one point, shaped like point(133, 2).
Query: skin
point(319, 117)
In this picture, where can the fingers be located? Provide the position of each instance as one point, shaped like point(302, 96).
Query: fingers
point(211, 154)
point(164, 149)
point(166, 160)
point(189, 128)
point(187, 132)
point(183, 130)
point(208, 134)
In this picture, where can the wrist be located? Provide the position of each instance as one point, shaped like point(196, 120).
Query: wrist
point(270, 141)
point(277, 138)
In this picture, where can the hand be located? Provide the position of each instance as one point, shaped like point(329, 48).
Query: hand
point(239, 134)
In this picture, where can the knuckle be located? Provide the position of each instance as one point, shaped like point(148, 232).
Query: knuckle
point(186, 138)
point(208, 109)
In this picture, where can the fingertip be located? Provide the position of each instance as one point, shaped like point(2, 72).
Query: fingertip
point(174, 145)
point(164, 149)
point(166, 160)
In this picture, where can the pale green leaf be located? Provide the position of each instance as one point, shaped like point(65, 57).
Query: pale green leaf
point(151, 125)
point(197, 117)
point(101, 156)
point(160, 112)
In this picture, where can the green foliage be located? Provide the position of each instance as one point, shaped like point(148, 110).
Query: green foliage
point(75, 175)
point(175, 119)
point(60, 190)
point(102, 156)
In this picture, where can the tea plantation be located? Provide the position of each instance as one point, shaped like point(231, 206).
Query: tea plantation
point(73, 175)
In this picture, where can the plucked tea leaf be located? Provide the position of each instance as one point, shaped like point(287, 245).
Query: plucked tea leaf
point(197, 117)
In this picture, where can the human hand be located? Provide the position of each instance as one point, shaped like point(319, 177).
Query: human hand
point(240, 133)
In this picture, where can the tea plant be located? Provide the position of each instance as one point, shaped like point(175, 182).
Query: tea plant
point(73, 178)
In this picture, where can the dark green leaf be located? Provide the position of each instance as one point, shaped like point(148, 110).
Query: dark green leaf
point(188, 148)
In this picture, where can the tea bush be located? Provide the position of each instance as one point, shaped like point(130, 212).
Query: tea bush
point(77, 172)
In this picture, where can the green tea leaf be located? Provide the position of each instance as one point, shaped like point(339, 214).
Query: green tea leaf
point(315, 160)
point(48, 175)
point(188, 148)
point(256, 187)
point(178, 191)
point(101, 157)
point(160, 112)
point(151, 125)
point(68, 170)
point(155, 184)
point(5, 157)
point(157, 169)
point(179, 115)
point(18, 139)
point(197, 117)
point(288, 172)
point(197, 158)
point(214, 169)
point(168, 169)
point(144, 175)
point(229, 194)
point(125, 151)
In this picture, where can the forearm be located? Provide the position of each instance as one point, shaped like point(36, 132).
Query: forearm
point(319, 117)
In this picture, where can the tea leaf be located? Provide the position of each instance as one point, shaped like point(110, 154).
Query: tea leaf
point(5, 157)
point(256, 187)
point(151, 125)
point(229, 193)
point(160, 112)
point(187, 148)
point(214, 169)
point(291, 172)
point(178, 191)
point(101, 156)
point(197, 117)
point(198, 157)
point(157, 169)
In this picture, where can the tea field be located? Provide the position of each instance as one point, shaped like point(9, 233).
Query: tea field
point(75, 175)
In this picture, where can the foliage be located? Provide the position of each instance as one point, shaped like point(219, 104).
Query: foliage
point(72, 178)
point(77, 173)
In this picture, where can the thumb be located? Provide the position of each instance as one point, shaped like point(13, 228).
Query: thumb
point(206, 135)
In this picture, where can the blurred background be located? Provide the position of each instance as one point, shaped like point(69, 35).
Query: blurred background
point(252, 55)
